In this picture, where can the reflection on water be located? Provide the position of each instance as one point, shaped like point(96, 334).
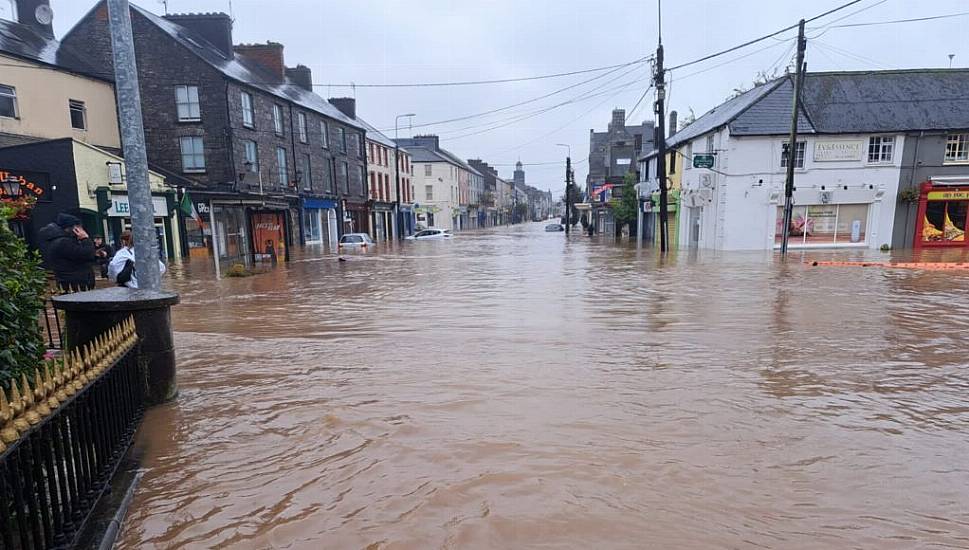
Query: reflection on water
point(515, 389)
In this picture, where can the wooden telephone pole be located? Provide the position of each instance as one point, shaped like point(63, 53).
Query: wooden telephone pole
point(791, 153)
point(659, 80)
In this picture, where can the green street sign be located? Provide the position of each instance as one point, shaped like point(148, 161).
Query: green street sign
point(703, 161)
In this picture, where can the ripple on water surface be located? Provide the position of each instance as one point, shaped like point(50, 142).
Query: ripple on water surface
point(513, 389)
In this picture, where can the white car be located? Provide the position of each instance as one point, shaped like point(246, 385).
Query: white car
point(430, 234)
point(355, 240)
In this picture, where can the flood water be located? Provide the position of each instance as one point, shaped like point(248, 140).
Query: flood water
point(514, 389)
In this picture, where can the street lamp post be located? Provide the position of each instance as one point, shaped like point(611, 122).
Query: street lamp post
point(397, 216)
point(568, 187)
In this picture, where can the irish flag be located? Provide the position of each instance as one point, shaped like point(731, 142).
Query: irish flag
point(188, 208)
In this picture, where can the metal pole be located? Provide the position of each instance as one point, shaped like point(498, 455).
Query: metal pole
point(133, 141)
point(639, 217)
point(792, 141)
point(398, 221)
point(215, 239)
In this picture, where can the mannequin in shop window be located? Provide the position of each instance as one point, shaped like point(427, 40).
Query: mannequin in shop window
point(122, 267)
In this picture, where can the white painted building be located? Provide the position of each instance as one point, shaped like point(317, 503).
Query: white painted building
point(847, 170)
point(437, 184)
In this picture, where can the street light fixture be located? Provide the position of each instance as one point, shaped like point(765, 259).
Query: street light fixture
point(11, 187)
point(397, 216)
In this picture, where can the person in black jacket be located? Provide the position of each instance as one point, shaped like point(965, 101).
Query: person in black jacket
point(69, 253)
point(104, 253)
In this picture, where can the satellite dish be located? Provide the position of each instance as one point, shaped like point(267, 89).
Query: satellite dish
point(44, 14)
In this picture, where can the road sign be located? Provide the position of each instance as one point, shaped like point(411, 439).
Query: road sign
point(703, 161)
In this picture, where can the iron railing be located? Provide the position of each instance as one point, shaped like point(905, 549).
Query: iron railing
point(63, 436)
point(52, 325)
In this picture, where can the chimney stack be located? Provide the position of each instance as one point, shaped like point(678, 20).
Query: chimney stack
point(346, 105)
point(269, 56)
point(672, 127)
point(302, 76)
point(215, 27)
point(37, 15)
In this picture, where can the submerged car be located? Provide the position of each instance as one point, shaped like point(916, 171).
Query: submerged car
point(553, 227)
point(430, 234)
point(355, 240)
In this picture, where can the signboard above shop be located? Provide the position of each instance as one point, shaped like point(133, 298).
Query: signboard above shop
point(121, 209)
point(837, 151)
point(32, 184)
point(706, 160)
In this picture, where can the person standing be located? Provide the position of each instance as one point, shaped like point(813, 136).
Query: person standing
point(121, 269)
point(104, 252)
point(69, 253)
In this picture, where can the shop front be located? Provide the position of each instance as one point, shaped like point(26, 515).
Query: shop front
point(247, 229)
point(942, 214)
point(408, 220)
point(115, 218)
point(382, 221)
point(356, 217)
point(269, 235)
point(424, 216)
point(320, 222)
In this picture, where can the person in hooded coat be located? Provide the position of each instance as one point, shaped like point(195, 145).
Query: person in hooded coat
point(69, 253)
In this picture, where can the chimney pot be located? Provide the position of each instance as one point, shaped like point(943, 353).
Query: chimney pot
point(269, 56)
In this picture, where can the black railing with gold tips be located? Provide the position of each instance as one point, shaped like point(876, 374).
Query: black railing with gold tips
point(62, 436)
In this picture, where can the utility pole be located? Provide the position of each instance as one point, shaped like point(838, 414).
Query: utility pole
point(792, 141)
point(659, 80)
point(398, 215)
point(133, 141)
point(568, 195)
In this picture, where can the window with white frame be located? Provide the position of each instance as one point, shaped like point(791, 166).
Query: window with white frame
point(710, 143)
point(8, 101)
point(248, 115)
point(277, 119)
point(306, 177)
point(799, 149)
point(78, 114)
point(688, 162)
point(301, 124)
point(193, 153)
point(341, 140)
point(427, 169)
point(252, 156)
point(429, 192)
point(187, 103)
point(881, 149)
point(957, 148)
point(325, 132)
point(282, 171)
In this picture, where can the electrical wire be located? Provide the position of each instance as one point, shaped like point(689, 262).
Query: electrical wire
point(762, 38)
point(850, 54)
point(479, 82)
point(828, 26)
point(913, 20)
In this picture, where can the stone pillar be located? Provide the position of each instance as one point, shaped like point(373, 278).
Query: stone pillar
point(88, 314)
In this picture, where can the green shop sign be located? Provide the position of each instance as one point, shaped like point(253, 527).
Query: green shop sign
point(703, 160)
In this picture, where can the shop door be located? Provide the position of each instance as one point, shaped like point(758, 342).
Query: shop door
point(331, 228)
point(269, 236)
point(696, 213)
point(159, 235)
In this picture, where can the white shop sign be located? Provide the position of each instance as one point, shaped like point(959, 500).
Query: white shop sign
point(831, 151)
point(121, 209)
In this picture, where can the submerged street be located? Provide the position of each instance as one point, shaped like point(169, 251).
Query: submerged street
point(510, 388)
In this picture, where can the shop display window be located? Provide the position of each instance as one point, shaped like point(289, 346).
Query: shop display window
point(824, 225)
point(945, 221)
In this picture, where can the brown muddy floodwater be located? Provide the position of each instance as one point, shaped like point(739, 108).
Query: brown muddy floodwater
point(511, 389)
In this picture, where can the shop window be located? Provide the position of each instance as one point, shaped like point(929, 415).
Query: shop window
point(325, 133)
point(957, 148)
point(881, 149)
point(282, 171)
point(187, 103)
point(193, 153)
point(78, 114)
point(824, 225)
point(248, 115)
point(301, 125)
point(252, 156)
point(8, 101)
point(278, 119)
point(312, 228)
point(798, 154)
point(945, 221)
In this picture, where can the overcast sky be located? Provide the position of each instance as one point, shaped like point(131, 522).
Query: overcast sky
point(391, 41)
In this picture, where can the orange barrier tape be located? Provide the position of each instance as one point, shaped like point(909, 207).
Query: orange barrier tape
point(935, 266)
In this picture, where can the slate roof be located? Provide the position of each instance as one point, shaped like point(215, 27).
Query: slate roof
point(374, 134)
point(19, 40)
point(423, 154)
point(847, 102)
point(241, 71)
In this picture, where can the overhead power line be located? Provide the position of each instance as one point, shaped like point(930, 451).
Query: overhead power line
point(762, 38)
point(479, 82)
point(891, 22)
